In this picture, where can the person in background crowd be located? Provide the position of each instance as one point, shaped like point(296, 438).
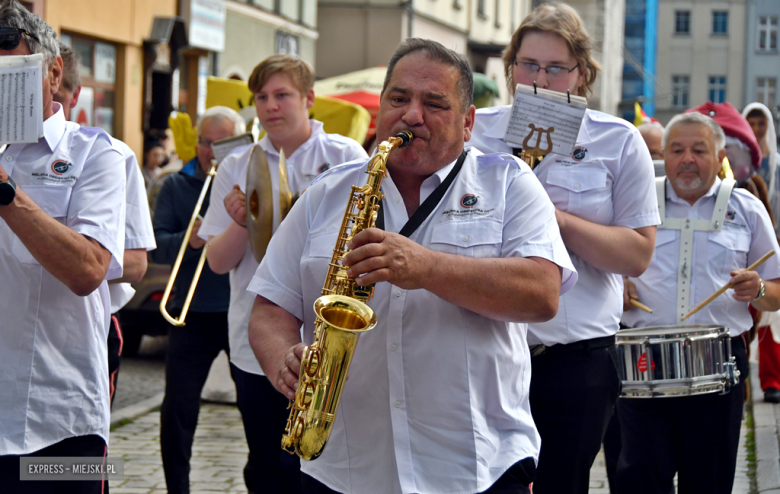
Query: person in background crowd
point(652, 133)
point(283, 93)
point(761, 121)
point(139, 236)
point(154, 157)
point(606, 209)
point(61, 237)
point(437, 396)
point(191, 348)
point(696, 437)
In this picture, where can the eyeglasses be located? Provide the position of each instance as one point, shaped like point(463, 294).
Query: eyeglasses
point(204, 143)
point(553, 71)
point(11, 36)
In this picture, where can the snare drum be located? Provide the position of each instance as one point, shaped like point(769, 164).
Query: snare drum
point(667, 361)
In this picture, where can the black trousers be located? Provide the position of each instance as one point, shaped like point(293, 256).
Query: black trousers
point(696, 437)
point(573, 395)
point(115, 342)
point(91, 445)
point(191, 350)
point(264, 411)
point(514, 481)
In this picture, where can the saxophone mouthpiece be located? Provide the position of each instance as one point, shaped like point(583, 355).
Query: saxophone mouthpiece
point(406, 137)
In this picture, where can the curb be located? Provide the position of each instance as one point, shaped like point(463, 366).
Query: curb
point(766, 438)
point(136, 410)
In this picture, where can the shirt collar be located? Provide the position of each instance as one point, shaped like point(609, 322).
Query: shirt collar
point(439, 175)
point(672, 195)
point(314, 125)
point(54, 126)
point(498, 129)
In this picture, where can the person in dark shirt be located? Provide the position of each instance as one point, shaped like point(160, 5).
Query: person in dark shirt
point(191, 348)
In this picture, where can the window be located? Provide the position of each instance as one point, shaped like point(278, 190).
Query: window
point(681, 88)
point(720, 22)
point(286, 43)
point(766, 88)
point(498, 14)
point(97, 69)
point(682, 22)
point(481, 9)
point(767, 33)
point(717, 89)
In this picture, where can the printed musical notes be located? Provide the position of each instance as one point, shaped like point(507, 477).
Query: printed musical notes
point(535, 114)
point(21, 98)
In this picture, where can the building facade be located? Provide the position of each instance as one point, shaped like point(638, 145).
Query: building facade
point(701, 54)
point(358, 34)
point(639, 67)
point(762, 57)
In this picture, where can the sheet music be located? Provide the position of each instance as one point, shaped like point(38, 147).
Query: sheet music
point(223, 147)
point(21, 99)
point(544, 110)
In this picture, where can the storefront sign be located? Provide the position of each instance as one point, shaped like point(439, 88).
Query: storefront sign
point(105, 63)
point(82, 112)
point(207, 24)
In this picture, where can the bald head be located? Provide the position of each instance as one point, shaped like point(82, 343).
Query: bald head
point(653, 134)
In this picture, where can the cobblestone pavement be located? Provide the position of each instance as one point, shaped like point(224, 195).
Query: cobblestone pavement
point(219, 454)
point(143, 376)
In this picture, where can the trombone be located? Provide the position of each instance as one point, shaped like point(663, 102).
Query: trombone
point(221, 149)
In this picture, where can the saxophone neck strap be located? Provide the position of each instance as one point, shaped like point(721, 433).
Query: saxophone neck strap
point(427, 207)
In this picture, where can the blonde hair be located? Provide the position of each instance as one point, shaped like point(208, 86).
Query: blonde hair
point(299, 71)
point(564, 21)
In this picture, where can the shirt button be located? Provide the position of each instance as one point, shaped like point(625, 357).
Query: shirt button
point(398, 293)
point(397, 199)
point(465, 238)
point(393, 347)
point(576, 186)
point(398, 404)
point(9, 158)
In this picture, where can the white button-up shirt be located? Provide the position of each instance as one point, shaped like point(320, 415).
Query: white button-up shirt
point(53, 343)
point(318, 153)
point(746, 236)
point(437, 396)
point(608, 180)
point(139, 233)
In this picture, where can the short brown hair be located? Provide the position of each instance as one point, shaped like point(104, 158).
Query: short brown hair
point(299, 71)
point(71, 79)
point(564, 21)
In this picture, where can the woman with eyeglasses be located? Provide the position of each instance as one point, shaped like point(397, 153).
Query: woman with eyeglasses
point(607, 211)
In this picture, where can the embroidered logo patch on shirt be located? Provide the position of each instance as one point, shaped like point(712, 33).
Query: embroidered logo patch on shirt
point(468, 201)
point(60, 166)
point(731, 215)
point(323, 168)
point(579, 153)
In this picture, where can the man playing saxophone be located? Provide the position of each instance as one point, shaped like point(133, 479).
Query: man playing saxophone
point(437, 399)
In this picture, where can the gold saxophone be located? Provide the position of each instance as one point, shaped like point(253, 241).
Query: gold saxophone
point(342, 314)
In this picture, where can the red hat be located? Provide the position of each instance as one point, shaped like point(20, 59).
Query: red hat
point(733, 124)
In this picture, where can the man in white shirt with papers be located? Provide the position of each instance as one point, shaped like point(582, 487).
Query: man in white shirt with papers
point(139, 235)
point(61, 238)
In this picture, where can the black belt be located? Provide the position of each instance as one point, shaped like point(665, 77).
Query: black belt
point(582, 345)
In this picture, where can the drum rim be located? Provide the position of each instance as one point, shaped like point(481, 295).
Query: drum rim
point(691, 329)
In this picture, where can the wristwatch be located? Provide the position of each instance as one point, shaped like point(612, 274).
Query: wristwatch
point(7, 191)
point(761, 291)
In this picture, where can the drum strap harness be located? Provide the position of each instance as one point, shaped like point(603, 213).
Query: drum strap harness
point(687, 227)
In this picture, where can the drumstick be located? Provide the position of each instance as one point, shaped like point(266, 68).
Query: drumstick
point(725, 287)
point(639, 305)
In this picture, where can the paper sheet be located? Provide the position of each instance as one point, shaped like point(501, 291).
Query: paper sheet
point(223, 147)
point(544, 110)
point(21, 99)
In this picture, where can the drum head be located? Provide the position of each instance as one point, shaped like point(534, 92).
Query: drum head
point(671, 331)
